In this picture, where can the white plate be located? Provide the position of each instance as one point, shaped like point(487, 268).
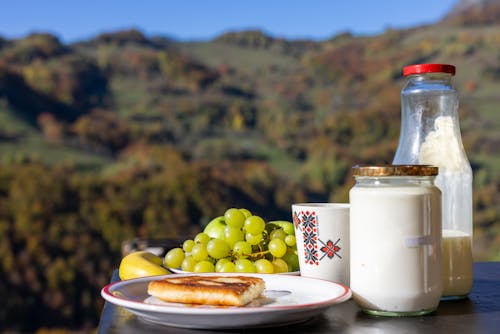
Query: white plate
point(288, 299)
point(179, 271)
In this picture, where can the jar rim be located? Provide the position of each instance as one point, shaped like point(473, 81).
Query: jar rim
point(395, 170)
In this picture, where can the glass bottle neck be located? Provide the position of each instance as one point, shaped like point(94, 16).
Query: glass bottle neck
point(443, 78)
point(429, 113)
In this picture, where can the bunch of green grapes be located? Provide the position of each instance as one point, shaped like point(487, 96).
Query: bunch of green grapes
point(238, 242)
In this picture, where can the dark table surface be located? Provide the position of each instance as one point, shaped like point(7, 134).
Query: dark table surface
point(480, 313)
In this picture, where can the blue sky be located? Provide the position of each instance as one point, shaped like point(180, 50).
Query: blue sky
point(74, 20)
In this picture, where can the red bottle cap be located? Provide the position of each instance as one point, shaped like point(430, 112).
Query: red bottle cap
point(429, 68)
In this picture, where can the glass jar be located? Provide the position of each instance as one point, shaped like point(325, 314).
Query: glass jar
point(395, 235)
point(430, 134)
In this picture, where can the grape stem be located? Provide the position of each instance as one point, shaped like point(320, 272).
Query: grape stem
point(258, 254)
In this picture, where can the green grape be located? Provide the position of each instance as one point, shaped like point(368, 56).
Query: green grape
point(264, 266)
point(187, 245)
point(188, 263)
point(174, 258)
point(244, 266)
point(277, 247)
point(199, 252)
point(202, 238)
point(278, 234)
point(218, 249)
point(227, 267)
point(280, 266)
point(254, 225)
point(292, 260)
point(245, 212)
point(253, 239)
point(242, 248)
point(242, 238)
point(233, 235)
point(285, 225)
point(220, 263)
point(234, 218)
point(204, 267)
point(290, 240)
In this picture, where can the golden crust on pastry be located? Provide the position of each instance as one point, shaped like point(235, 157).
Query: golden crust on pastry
point(210, 290)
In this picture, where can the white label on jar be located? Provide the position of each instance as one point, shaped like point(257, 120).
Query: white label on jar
point(412, 242)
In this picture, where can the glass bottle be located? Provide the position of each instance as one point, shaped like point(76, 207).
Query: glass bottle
point(395, 234)
point(430, 134)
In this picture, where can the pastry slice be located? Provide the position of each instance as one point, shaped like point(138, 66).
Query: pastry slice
point(209, 290)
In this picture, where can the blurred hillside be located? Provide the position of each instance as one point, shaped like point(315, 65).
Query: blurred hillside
point(126, 135)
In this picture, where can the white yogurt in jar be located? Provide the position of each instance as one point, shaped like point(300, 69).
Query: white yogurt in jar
point(395, 229)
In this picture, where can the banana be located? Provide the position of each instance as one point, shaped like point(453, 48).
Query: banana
point(140, 264)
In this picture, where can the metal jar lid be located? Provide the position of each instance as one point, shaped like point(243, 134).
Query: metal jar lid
point(395, 170)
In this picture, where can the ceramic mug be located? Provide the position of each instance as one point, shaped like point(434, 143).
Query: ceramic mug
point(322, 233)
